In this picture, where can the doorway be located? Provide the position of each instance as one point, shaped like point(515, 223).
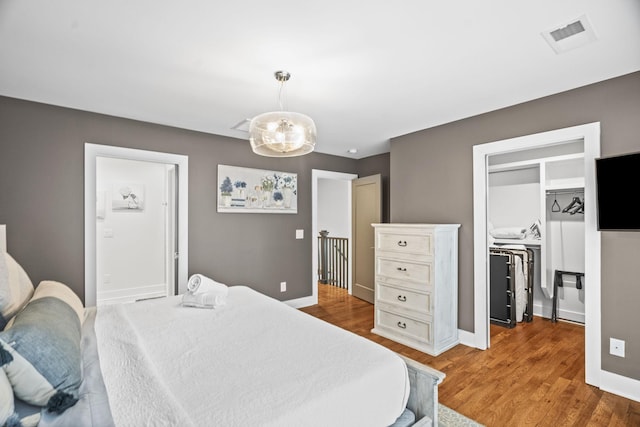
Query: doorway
point(337, 187)
point(128, 212)
point(135, 236)
point(590, 135)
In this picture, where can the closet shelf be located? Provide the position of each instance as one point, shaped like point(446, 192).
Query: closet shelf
point(525, 242)
point(565, 184)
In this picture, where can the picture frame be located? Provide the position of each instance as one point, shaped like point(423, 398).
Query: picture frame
point(127, 197)
point(248, 190)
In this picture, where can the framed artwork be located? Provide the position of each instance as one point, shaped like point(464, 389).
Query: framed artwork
point(256, 190)
point(127, 197)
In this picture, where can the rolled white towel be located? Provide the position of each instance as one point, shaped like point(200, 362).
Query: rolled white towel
point(204, 292)
point(199, 283)
point(204, 299)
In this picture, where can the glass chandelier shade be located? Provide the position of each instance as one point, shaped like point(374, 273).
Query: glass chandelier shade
point(282, 133)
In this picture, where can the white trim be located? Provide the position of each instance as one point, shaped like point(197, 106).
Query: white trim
point(622, 386)
point(91, 152)
point(3, 238)
point(480, 292)
point(132, 294)
point(317, 174)
point(302, 302)
point(467, 338)
point(590, 134)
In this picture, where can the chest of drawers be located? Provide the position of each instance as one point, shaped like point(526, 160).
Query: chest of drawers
point(416, 285)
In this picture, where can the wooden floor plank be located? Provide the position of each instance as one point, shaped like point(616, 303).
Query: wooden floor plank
point(532, 375)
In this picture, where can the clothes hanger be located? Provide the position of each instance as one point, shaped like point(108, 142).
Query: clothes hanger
point(579, 208)
point(555, 207)
point(576, 201)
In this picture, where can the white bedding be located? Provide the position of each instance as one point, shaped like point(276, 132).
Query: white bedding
point(253, 362)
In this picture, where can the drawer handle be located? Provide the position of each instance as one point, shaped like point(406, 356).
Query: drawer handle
point(402, 243)
point(402, 325)
point(402, 298)
point(402, 269)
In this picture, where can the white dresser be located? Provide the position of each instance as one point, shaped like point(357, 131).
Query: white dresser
point(416, 279)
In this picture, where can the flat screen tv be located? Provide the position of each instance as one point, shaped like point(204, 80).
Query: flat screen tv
point(618, 190)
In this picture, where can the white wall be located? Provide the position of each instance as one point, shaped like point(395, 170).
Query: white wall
point(130, 244)
point(566, 240)
point(333, 207)
point(514, 198)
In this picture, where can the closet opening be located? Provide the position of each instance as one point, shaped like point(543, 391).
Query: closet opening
point(522, 186)
point(536, 234)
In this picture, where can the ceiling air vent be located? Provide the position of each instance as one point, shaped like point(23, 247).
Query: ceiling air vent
point(575, 34)
point(242, 125)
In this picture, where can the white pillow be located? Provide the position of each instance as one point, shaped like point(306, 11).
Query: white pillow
point(15, 288)
point(8, 416)
point(50, 288)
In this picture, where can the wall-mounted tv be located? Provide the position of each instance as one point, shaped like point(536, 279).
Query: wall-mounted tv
point(618, 190)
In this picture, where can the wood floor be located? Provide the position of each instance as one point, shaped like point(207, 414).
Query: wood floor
point(533, 374)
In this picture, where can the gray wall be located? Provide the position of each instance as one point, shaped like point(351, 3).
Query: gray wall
point(431, 181)
point(42, 202)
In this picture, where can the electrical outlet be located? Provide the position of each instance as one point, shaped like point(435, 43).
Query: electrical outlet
point(616, 347)
point(300, 234)
point(283, 286)
point(107, 279)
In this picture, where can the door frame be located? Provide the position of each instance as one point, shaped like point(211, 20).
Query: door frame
point(590, 134)
point(91, 152)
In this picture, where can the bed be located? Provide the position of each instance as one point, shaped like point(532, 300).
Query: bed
point(254, 361)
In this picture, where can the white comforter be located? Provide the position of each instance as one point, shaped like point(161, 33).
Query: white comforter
point(253, 362)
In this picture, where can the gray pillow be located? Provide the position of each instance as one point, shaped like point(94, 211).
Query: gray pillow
point(40, 354)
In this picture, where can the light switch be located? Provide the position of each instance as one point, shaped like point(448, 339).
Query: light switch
point(299, 234)
point(108, 232)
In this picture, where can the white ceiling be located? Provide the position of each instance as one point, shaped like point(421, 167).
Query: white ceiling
point(364, 70)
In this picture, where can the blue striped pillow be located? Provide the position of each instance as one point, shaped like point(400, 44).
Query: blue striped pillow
point(40, 354)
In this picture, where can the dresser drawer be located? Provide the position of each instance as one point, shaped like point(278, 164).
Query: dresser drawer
point(420, 331)
point(419, 244)
point(420, 302)
point(405, 270)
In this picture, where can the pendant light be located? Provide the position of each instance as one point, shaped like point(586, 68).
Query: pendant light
point(282, 133)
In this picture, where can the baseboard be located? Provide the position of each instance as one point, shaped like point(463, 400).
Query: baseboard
point(622, 386)
point(544, 311)
point(132, 294)
point(302, 302)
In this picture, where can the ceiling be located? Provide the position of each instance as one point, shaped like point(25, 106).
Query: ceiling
point(364, 70)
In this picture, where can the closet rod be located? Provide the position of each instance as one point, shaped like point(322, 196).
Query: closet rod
point(578, 190)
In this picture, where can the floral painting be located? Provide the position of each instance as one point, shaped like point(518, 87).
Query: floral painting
point(127, 197)
point(256, 190)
